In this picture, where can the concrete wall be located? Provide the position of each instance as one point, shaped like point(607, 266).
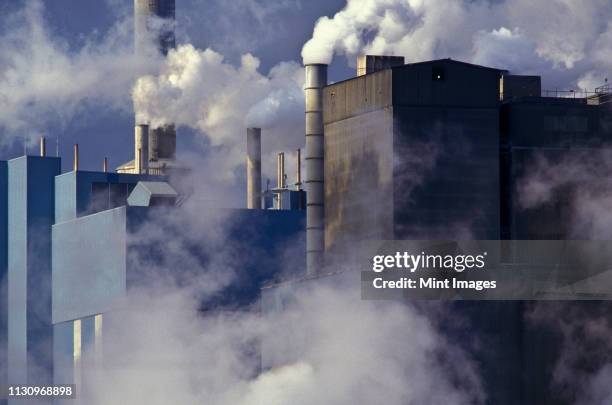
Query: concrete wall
point(411, 151)
point(89, 264)
point(30, 216)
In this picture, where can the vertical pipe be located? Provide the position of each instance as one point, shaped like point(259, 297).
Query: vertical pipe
point(105, 165)
point(253, 165)
point(141, 149)
point(315, 80)
point(298, 169)
point(43, 146)
point(75, 162)
point(280, 171)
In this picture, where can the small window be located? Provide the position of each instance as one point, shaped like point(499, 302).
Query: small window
point(437, 74)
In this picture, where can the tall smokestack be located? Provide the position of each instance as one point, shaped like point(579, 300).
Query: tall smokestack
point(253, 165)
point(105, 165)
point(162, 141)
point(315, 80)
point(141, 149)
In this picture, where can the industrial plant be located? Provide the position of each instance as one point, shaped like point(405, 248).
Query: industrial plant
point(401, 151)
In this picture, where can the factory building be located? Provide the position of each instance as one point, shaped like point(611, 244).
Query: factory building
point(429, 150)
point(69, 244)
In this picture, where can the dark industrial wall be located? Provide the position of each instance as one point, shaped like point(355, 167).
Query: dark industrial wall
point(553, 129)
point(446, 172)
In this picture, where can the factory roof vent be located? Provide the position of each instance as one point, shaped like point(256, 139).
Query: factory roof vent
point(152, 193)
point(373, 63)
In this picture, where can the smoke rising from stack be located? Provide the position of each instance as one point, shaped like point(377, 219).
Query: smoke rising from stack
point(199, 89)
point(520, 35)
point(43, 82)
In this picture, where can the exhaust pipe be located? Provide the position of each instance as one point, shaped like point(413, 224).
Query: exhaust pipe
point(253, 165)
point(315, 80)
point(75, 162)
point(141, 149)
point(43, 146)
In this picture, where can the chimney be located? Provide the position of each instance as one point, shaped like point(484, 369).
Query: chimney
point(315, 80)
point(298, 169)
point(43, 146)
point(253, 165)
point(105, 165)
point(75, 162)
point(280, 171)
point(373, 63)
point(141, 149)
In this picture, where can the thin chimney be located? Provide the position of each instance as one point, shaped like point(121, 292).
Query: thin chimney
point(298, 169)
point(105, 165)
point(280, 171)
point(141, 149)
point(43, 147)
point(253, 166)
point(75, 165)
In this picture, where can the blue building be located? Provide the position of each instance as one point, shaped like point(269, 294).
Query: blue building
point(69, 257)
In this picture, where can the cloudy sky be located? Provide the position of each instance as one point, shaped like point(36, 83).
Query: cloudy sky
point(67, 68)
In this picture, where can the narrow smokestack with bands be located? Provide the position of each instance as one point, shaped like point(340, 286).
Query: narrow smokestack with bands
point(315, 80)
point(253, 165)
point(141, 149)
point(43, 146)
point(75, 162)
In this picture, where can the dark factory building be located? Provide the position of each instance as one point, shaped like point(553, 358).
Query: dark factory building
point(435, 148)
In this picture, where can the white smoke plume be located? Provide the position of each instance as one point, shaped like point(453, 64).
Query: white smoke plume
point(198, 89)
point(583, 330)
point(520, 35)
point(581, 178)
point(331, 348)
point(43, 82)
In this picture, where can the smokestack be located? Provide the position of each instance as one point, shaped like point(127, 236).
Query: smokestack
point(253, 165)
point(280, 171)
point(316, 79)
point(75, 162)
point(298, 169)
point(162, 141)
point(105, 165)
point(141, 149)
point(43, 146)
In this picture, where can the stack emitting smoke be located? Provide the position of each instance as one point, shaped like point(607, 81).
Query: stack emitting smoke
point(253, 165)
point(315, 80)
point(148, 15)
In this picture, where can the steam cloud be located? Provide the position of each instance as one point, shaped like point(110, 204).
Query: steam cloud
point(521, 35)
point(198, 89)
point(43, 82)
point(582, 178)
